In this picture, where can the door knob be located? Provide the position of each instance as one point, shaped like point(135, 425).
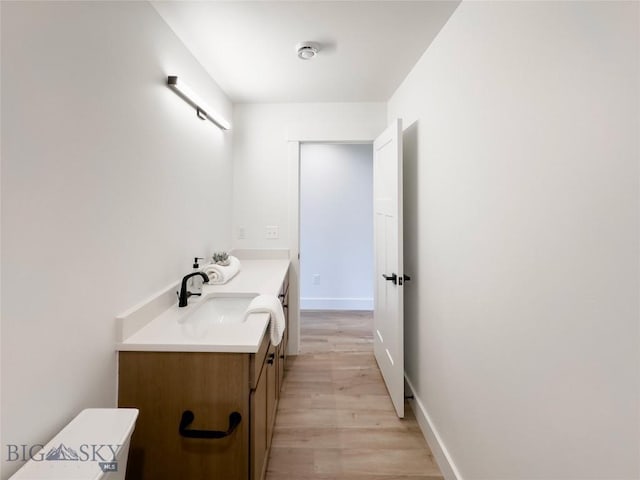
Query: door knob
point(391, 278)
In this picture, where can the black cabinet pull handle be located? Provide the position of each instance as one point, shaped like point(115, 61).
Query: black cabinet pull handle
point(187, 418)
point(271, 358)
point(391, 278)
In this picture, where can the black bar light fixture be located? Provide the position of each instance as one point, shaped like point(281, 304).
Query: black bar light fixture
point(203, 111)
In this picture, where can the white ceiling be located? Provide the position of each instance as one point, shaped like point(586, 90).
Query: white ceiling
point(367, 47)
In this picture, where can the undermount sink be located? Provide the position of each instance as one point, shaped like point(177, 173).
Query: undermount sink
point(215, 311)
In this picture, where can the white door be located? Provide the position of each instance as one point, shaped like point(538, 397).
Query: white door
point(389, 275)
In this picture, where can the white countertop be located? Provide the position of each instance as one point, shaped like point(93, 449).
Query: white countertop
point(170, 331)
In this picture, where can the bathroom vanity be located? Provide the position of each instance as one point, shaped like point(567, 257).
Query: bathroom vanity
point(207, 392)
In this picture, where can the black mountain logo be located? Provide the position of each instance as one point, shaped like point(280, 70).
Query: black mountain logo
point(62, 453)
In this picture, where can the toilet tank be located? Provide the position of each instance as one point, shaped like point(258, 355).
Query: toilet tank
point(93, 446)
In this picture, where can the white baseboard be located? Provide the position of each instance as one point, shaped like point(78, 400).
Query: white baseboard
point(431, 435)
point(336, 303)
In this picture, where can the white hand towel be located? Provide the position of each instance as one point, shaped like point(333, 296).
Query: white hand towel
point(219, 274)
point(271, 305)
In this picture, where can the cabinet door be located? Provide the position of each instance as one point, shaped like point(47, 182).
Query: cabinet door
point(272, 389)
point(280, 359)
point(163, 385)
point(259, 427)
point(284, 296)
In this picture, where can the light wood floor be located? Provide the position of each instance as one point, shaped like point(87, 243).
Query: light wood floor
point(335, 420)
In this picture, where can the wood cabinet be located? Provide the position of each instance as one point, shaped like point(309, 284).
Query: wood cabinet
point(282, 348)
point(259, 445)
point(218, 389)
point(266, 395)
point(259, 430)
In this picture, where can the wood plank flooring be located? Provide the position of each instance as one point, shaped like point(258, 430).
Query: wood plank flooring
point(335, 419)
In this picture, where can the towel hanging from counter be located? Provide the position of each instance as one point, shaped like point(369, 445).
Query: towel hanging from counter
point(220, 274)
point(270, 304)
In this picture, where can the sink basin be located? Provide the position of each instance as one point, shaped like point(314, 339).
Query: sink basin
point(213, 314)
point(219, 311)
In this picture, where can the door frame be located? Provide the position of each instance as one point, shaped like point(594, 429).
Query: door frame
point(361, 133)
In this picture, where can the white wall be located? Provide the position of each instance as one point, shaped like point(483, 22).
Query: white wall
point(336, 226)
point(522, 220)
point(261, 163)
point(109, 186)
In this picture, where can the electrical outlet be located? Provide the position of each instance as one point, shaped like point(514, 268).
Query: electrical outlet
point(272, 232)
point(316, 278)
point(242, 234)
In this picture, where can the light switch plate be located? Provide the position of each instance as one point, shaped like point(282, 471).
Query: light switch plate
point(272, 232)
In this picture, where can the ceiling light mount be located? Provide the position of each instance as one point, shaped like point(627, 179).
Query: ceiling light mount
point(202, 110)
point(307, 50)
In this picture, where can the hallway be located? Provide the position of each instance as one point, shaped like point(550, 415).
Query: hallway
point(335, 420)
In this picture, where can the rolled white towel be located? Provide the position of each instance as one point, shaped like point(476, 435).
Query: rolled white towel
point(271, 305)
point(219, 274)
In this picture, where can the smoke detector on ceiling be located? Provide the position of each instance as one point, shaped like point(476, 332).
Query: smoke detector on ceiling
point(306, 50)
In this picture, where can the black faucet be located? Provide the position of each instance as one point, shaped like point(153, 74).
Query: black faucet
point(184, 294)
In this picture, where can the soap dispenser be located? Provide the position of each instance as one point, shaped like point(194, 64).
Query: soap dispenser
point(196, 282)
